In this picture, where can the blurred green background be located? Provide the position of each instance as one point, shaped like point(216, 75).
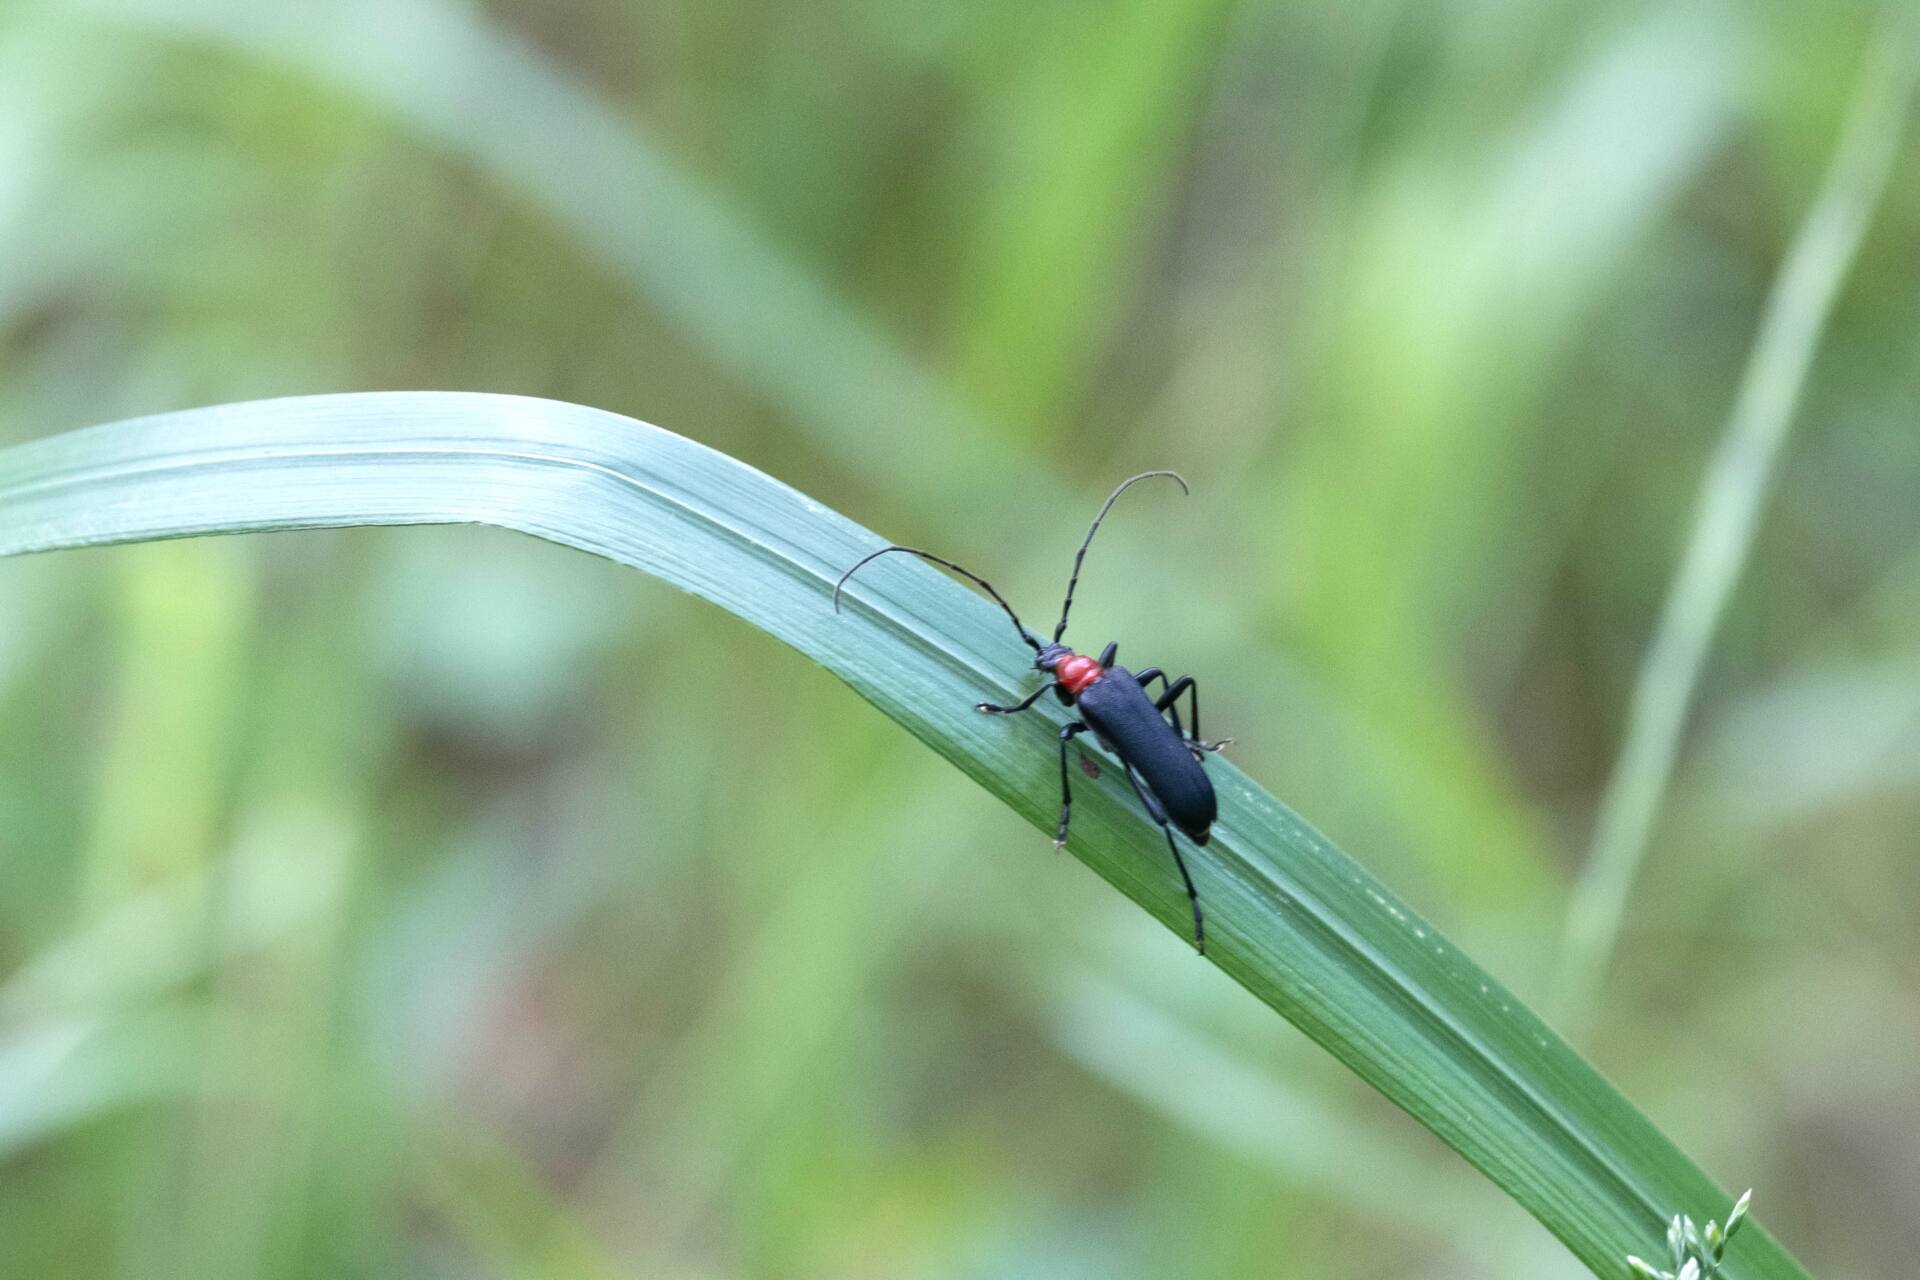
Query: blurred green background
point(439, 903)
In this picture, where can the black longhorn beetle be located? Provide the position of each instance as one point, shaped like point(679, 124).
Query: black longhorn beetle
point(1162, 763)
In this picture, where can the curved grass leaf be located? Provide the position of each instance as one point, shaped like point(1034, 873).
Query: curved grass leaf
point(1290, 917)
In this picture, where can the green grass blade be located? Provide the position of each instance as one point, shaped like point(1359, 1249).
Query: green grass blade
point(1732, 495)
point(1290, 917)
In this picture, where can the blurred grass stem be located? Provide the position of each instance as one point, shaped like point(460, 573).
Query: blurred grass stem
point(1731, 496)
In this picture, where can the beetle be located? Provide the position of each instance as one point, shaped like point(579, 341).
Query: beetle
point(1164, 763)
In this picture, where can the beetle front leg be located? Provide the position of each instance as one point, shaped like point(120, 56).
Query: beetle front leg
point(1067, 733)
point(989, 709)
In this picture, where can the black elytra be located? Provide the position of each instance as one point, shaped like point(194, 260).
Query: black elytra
point(1163, 762)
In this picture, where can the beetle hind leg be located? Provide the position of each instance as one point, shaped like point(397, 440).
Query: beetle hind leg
point(1158, 813)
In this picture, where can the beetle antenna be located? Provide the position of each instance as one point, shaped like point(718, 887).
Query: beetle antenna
point(974, 578)
point(1081, 555)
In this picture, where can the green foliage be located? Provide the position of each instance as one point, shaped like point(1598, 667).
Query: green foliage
point(1697, 1252)
point(1294, 920)
point(441, 902)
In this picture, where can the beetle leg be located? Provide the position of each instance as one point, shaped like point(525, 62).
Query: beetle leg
point(1066, 788)
point(1191, 687)
point(1167, 700)
point(1165, 706)
point(1146, 677)
point(1021, 705)
point(1159, 815)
